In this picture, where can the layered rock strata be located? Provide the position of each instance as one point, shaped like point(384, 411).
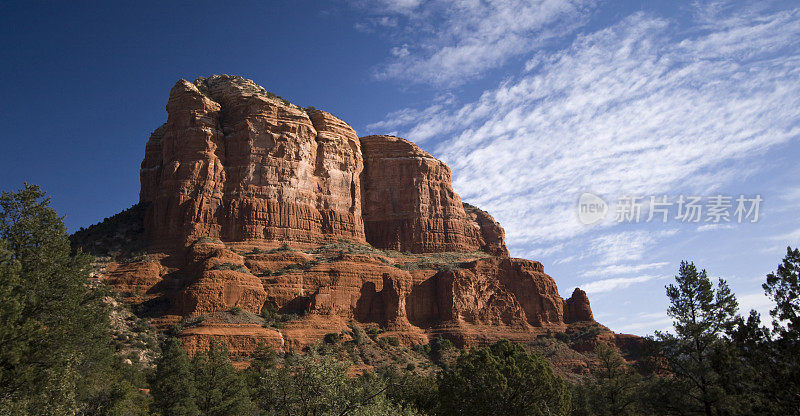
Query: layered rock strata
point(410, 205)
point(234, 163)
point(257, 206)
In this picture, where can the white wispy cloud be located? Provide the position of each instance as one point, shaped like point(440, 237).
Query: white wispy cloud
point(757, 300)
point(642, 323)
point(611, 249)
point(645, 327)
point(446, 42)
point(791, 237)
point(540, 252)
point(616, 269)
point(714, 227)
point(791, 194)
point(607, 285)
point(643, 107)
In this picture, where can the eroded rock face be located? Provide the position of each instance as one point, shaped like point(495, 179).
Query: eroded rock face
point(577, 308)
point(513, 294)
point(234, 163)
point(255, 204)
point(492, 236)
point(220, 281)
point(409, 203)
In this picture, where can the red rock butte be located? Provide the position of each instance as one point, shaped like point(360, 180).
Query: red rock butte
point(253, 204)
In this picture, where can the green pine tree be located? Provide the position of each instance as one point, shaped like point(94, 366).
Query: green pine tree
point(783, 287)
point(55, 349)
point(702, 315)
point(173, 388)
point(613, 389)
point(221, 388)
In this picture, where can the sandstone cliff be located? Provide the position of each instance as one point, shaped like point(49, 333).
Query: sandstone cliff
point(257, 208)
point(234, 163)
point(409, 204)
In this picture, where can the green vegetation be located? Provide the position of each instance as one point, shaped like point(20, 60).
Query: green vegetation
point(502, 379)
point(715, 362)
point(434, 261)
point(317, 385)
point(346, 247)
point(295, 266)
point(173, 387)
point(221, 389)
point(67, 347)
point(275, 319)
point(701, 313)
point(120, 236)
point(283, 247)
point(230, 266)
point(613, 389)
point(56, 350)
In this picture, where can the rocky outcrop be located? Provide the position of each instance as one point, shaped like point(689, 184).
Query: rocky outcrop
point(221, 281)
point(511, 295)
point(235, 163)
point(253, 205)
point(409, 203)
point(577, 308)
point(492, 236)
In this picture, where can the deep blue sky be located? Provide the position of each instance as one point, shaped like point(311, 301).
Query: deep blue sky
point(84, 84)
point(530, 102)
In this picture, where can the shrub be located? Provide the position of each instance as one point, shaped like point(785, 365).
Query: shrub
point(393, 341)
point(230, 266)
point(273, 318)
point(283, 247)
point(502, 379)
point(206, 240)
point(373, 331)
point(357, 333)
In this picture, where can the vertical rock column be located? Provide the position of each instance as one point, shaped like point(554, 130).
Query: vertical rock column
point(182, 174)
point(409, 203)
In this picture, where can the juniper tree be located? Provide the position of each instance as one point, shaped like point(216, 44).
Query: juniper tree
point(502, 379)
point(314, 385)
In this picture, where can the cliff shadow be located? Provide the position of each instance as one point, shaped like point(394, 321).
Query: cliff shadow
point(422, 304)
point(370, 307)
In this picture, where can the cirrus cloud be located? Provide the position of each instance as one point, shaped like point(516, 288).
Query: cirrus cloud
point(641, 107)
point(447, 42)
